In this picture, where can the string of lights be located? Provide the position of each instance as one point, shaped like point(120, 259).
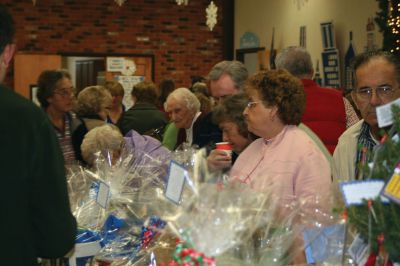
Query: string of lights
point(394, 23)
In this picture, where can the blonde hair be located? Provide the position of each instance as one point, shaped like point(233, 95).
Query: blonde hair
point(92, 100)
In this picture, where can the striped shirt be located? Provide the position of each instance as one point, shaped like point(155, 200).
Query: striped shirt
point(65, 140)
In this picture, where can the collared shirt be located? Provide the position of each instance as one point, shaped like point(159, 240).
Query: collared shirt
point(351, 115)
point(189, 131)
point(289, 165)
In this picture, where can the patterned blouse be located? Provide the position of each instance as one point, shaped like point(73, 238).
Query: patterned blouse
point(65, 140)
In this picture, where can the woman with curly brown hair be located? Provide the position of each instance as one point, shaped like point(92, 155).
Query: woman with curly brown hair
point(284, 161)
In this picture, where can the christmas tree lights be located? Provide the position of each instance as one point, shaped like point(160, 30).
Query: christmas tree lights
point(388, 20)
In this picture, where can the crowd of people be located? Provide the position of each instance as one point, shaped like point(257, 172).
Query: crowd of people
point(286, 132)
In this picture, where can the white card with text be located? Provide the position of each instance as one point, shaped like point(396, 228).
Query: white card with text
point(384, 113)
point(176, 181)
point(355, 191)
point(103, 195)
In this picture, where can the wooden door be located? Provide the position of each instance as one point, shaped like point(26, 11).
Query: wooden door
point(87, 72)
point(27, 68)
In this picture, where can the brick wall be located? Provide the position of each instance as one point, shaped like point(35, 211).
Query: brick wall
point(178, 37)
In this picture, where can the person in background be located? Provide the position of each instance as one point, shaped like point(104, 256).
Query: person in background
point(56, 97)
point(327, 112)
point(377, 81)
point(227, 78)
point(201, 91)
point(108, 140)
point(184, 109)
point(165, 88)
point(105, 138)
point(117, 108)
point(144, 116)
point(200, 87)
point(37, 221)
point(92, 108)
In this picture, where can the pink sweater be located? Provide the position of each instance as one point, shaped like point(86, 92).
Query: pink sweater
point(291, 164)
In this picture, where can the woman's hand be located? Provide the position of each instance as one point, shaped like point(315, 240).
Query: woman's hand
point(218, 160)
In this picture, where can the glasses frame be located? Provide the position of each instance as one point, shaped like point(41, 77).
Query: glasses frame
point(64, 94)
point(383, 92)
point(251, 104)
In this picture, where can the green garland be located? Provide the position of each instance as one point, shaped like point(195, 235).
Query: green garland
point(386, 158)
point(381, 19)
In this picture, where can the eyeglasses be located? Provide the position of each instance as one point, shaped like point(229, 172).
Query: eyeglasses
point(252, 104)
point(383, 92)
point(64, 93)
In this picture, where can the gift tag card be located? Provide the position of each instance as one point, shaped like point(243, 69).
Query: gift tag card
point(355, 191)
point(358, 250)
point(176, 181)
point(392, 188)
point(103, 195)
point(384, 113)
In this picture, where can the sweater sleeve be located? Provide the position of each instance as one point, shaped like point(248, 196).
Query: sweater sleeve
point(54, 225)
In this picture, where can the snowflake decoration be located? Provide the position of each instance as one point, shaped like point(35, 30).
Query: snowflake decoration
point(180, 2)
point(120, 2)
point(211, 15)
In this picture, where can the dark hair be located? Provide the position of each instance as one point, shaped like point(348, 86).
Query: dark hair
point(200, 87)
point(279, 88)
point(205, 102)
point(115, 88)
point(231, 110)
point(7, 28)
point(145, 91)
point(366, 57)
point(47, 83)
point(165, 88)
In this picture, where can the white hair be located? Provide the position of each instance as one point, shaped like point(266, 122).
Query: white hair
point(186, 97)
point(103, 138)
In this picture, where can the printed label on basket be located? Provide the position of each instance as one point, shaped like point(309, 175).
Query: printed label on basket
point(103, 195)
point(384, 113)
point(176, 181)
point(392, 188)
point(358, 250)
point(355, 191)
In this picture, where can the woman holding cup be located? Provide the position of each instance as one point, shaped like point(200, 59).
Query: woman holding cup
point(228, 116)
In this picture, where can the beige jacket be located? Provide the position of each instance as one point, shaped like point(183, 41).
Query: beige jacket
point(344, 157)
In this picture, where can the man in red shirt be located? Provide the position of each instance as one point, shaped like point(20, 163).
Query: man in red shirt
point(327, 112)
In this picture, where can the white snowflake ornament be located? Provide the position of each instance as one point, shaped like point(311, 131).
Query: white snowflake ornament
point(211, 12)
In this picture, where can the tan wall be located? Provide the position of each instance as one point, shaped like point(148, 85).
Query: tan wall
point(259, 16)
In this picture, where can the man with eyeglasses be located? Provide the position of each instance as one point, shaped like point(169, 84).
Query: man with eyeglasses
point(377, 79)
point(36, 217)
